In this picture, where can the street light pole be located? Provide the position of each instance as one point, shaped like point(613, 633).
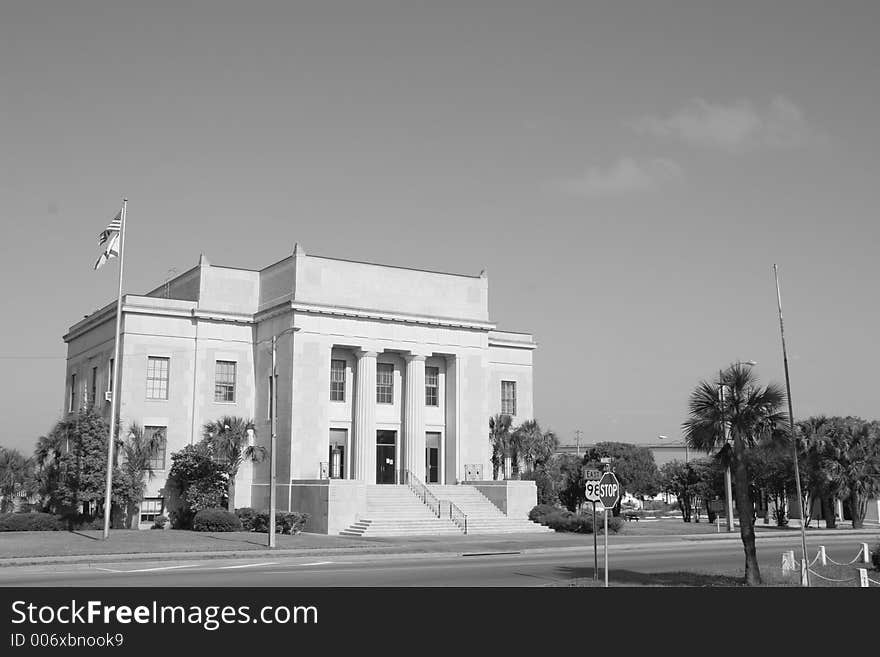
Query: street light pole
point(273, 405)
point(274, 395)
point(728, 485)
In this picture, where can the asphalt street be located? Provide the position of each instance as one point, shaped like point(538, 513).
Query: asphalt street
point(643, 563)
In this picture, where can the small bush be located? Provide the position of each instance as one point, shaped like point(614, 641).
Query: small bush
point(247, 516)
point(563, 520)
point(30, 522)
point(542, 510)
point(285, 522)
point(159, 522)
point(875, 556)
point(216, 520)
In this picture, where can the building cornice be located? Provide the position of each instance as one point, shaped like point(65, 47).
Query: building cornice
point(381, 315)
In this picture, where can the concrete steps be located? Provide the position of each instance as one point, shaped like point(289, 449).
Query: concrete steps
point(483, 517)
point(394, 510)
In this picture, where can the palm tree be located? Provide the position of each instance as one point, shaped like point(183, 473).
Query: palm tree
point(136, 464)
point(815, 435)
point(14, 475)
point(751, 413)
point(534, 446)
point(47, 457)
point(230, 440)
point(850, 452)
point(500, 438)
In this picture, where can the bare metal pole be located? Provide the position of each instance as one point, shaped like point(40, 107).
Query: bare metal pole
point(272, 404)
point(797, 476)
point(113, 406)
point(728, 485)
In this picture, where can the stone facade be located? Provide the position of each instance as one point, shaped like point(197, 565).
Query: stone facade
point(417, 368)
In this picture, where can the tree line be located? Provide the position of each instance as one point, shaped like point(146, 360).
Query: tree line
point(66, 474)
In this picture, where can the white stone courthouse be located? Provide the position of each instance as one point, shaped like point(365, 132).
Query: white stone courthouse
point(384, 376)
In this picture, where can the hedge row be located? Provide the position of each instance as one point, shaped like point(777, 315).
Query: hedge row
point(31, 522)
point(563, 520)
point(285, 522)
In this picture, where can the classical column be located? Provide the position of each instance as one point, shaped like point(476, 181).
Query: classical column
point(414, 416)
point(365, 417)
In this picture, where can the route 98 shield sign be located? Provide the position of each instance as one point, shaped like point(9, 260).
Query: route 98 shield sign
point(592, 491)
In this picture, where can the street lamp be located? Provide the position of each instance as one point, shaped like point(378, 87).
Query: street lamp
point(273, 394)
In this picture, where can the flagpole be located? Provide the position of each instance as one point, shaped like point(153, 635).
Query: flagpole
point(797, 475)
point(115, 393)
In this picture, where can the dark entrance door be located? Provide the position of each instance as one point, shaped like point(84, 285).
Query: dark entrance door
point(385, 462)
point(432, 465)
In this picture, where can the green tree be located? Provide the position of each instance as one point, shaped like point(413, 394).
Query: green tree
point(229, 438)
point(850, 452)
point(678, 478)
point(16, 474)
point(196, 481)
point(817, 467)
point(533, 446)
point(751, 413)
point(82, 466)
point(136, 468)
point(634, 466)
point(501, 441)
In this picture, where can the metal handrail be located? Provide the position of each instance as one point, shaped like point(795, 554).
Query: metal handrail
point(422, 492)
point(458, 516)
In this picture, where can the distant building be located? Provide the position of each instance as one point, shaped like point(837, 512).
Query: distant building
point(381, 371)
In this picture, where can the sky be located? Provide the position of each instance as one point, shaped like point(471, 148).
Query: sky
point(627, 173)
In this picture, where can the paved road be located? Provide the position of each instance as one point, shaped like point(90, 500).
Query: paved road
point(641, 563)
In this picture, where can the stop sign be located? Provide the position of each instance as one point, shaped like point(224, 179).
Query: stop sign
point(609, 490)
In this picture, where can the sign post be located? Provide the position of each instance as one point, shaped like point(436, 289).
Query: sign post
point(609, 495)
point(591, 487)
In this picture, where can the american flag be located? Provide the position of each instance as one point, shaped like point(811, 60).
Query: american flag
point(110, 237)
point(114, 226)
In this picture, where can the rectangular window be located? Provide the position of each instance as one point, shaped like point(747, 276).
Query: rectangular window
point(151, 508)
point(337, 380)
point(72, 404)
point(110, 377)
point(385, 383)
point(94, 398)
point(432, 386)
point(508, 397)
point(157, 461)
point(224, 381)
point(157, 377)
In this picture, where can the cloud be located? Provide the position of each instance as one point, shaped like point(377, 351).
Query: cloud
point(736, 127)
point(627, 175)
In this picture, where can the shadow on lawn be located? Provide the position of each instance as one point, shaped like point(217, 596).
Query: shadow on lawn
point(78, 533)
point(635, 578)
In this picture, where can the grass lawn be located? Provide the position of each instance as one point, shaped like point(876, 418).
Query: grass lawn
point(845, 576)
point(123, 541)
point(670, 527)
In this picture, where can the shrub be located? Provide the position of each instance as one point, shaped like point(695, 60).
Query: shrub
point(247, 516)
point(563, 520)
point(875, 556)
point(285, 522)
point(216, 520)
point(30, 522)
point(540, 511)
point(159, 522)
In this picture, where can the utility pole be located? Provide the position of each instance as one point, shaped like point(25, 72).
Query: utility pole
point(577, 438)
